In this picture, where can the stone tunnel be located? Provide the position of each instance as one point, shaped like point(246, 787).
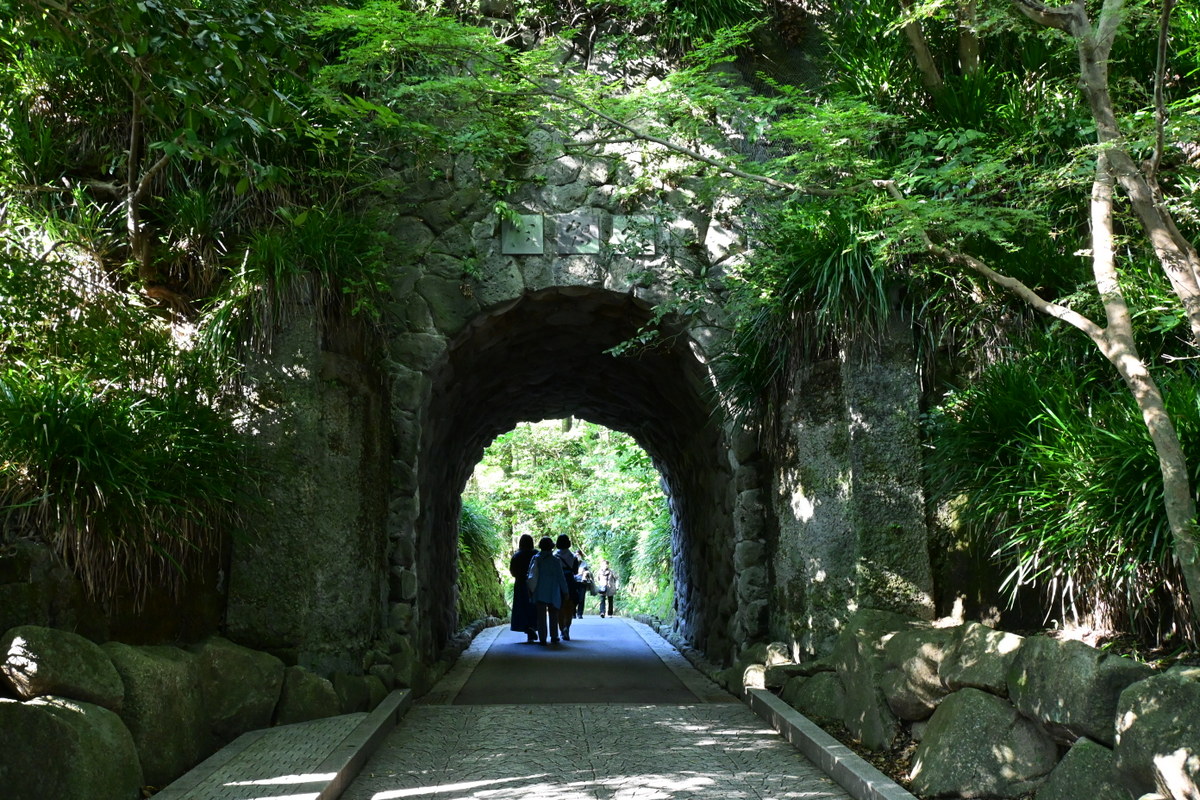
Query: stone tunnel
point(370, 432)
point(545, 356)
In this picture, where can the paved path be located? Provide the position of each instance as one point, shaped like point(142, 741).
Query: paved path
point(616, 714)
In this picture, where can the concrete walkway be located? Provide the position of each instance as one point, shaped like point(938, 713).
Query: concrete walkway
point(615, 714)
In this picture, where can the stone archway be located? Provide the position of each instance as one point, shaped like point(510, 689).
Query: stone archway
point(544, 356)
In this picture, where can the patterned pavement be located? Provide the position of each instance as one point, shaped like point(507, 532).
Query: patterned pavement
point(607, 750)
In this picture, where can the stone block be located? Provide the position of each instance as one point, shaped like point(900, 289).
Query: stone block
point(58, 749)
point(376, 691)
point(40, 661)
point(749, 553)
point(779, 675)
point(452, 303)
point(352, 692)
point(412, 235)
point(978, 745)
point(821, 696)
point(163, 708)
point(1070, 688)
point(910, 679)
point(1158, 734)
point(980, 659)
point(1085, 772)
point(385, 673)
point(240, 687)
point(305, 696)
point(858, 658)
point(400, 617)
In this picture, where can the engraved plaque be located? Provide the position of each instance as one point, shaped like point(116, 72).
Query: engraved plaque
point(577, 233)
point(523, 238)
point(634, 235)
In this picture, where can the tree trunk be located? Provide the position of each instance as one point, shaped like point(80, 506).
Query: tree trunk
point(968, 39)
point(1176, 254)
point(930, 76)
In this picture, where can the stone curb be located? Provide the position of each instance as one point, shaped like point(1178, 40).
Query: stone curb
point(348, 758)
point(855, 775)
point(332, 776)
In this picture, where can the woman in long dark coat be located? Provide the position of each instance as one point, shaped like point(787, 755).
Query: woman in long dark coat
point(523, 610)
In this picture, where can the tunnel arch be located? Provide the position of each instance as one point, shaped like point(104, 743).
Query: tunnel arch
point(543, 356)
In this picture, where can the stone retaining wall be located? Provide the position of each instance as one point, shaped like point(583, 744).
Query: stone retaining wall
point(994, 714)
point(87, 721)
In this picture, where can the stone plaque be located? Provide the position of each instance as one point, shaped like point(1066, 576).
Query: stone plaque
point(522, 238)
point(578, 232)
point(634, 235)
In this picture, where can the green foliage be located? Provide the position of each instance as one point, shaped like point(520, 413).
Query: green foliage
point(480, 590)
point(1052, 466)
point(331, 256)
point(425, 81)
point(109, 444)
point(595, 485)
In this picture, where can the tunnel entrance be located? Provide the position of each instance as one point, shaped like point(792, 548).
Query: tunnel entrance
point(547, 355)
point(575, 478)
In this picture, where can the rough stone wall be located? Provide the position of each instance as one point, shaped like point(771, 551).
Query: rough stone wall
point(847, 498)
point(305, 583)
point(811, 499)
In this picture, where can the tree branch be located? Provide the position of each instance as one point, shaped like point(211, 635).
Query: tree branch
point(1160, 103)
point(1071, 18)
point(1014, 285)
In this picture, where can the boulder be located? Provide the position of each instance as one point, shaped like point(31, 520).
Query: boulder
point(910, 680)
point(385, 674)
point(404, 661)
point(1086, 771)
point(376, 692)
point(1070, 688)
point(778, 653)
point(45, 661)
point(979, 658)
point(977, 745)
point(351, 691)
point(63, 749)
point(163, 708)
point(1158, 735)
point(305, 696)
point(858, 658)
point(754, 676)
point(820, 697)
point(239, 687)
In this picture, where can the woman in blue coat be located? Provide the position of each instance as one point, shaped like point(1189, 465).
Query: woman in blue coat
point(550, 592)
point(523, 609)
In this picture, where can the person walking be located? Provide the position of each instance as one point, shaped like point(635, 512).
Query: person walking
point(606, 587)
point(523, 609)
point(550, 591)
point(570, 565)
point(584, 584)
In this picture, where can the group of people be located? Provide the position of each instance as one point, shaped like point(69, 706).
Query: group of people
point(551, 585)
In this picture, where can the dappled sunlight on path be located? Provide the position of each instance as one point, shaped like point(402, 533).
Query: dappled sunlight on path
point(615, 714)
point(586, 752)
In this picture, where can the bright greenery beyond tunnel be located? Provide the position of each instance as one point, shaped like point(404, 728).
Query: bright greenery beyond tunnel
point(574, 477)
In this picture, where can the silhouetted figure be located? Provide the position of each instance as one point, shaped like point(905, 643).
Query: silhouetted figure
point(569, 566)
point(606, 588)
point(584, 585)
point(550, 592)
point(523, 609)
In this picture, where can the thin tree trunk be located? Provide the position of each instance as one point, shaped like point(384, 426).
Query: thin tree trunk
point(930, 76)
point(1176, 254)
point(968, 39)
